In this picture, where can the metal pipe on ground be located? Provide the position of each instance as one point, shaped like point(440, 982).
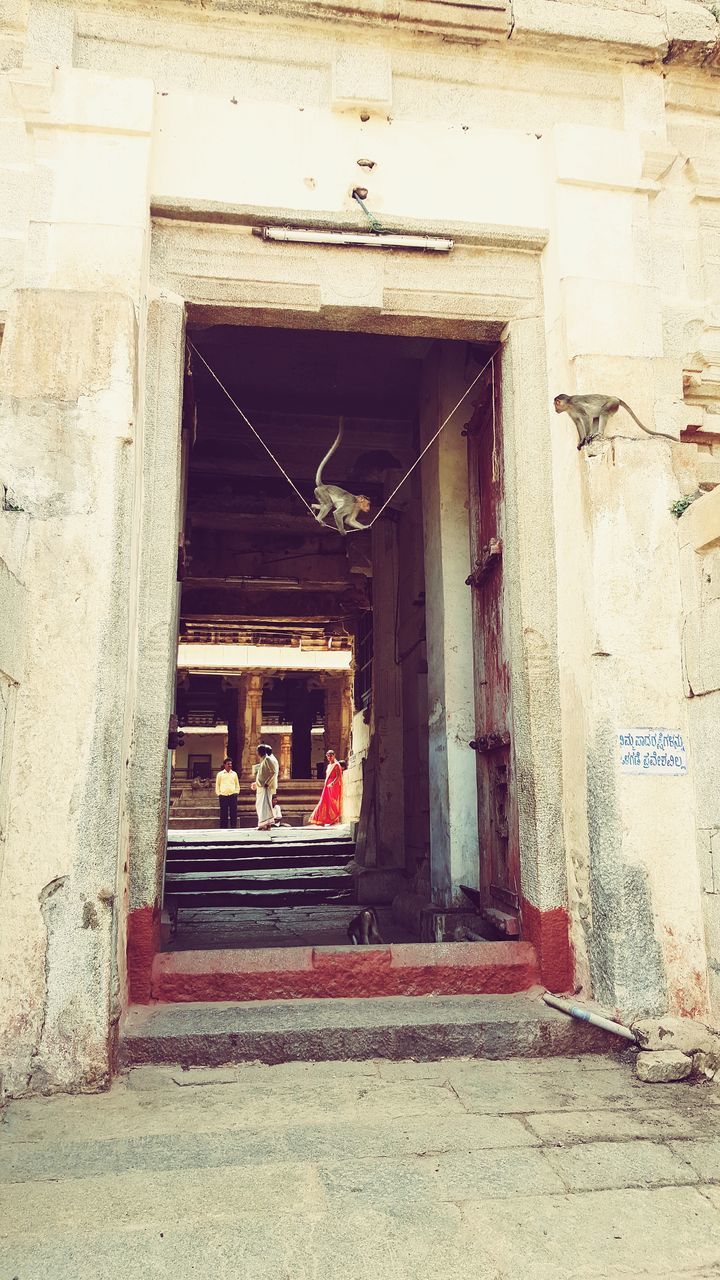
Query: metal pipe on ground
point(595, 1019)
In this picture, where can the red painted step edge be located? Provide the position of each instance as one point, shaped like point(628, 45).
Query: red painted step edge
point(549, 933)
point(293, 973)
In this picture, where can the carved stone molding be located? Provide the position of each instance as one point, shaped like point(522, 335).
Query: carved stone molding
point(468, 20)
point(225, 272)
point(701, 368)
point(658, 159)
point(705, 174)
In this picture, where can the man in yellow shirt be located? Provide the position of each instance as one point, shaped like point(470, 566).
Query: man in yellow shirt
point(227, 788)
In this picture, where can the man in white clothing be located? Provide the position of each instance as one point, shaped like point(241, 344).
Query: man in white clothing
point(265, 786)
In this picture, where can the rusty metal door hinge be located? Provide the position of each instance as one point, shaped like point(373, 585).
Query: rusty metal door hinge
point(494, 741)
point(489, 557)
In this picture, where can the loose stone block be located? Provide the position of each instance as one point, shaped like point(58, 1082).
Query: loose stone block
point(685, 1035)
point(663, 1067)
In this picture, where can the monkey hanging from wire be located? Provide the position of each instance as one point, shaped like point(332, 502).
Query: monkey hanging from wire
point(345, 506)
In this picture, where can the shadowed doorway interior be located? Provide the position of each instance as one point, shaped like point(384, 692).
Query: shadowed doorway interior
point(293, 635)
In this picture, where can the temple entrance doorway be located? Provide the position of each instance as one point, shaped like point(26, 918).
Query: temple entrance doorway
point(373, 644)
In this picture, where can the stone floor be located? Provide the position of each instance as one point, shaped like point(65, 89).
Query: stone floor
point(323, 925)
point(540, 1169)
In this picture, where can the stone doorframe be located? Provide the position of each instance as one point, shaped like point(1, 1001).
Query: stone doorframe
point(208, 267)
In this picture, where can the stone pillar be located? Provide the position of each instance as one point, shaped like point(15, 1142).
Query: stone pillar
point(249, 719)
point(285, 757)
point(231, 714)
point(69, 374)
point(454, 857)
point(157, 623)
point(387, 701)
point(347, 708)
point(338, 715)
point(530, 608)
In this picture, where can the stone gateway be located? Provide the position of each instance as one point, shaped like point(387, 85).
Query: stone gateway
point(540, 202)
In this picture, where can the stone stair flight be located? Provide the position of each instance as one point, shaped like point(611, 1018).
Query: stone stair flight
point(195, 807)
point(243, 868)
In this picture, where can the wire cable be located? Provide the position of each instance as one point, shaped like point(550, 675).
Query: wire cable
point(410, 469)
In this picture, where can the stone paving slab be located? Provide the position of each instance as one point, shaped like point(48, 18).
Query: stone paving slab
point(667, 1232)
point(563, 1127)
point(223, 1194)
point(703, 1157)
point(28, 1161)
point(527, 1169)
point(274, 1105)
point(442, 1176)
point(600, 1166)
point(355, 1243)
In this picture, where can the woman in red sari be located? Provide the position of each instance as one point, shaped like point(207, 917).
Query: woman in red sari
point(328, 810)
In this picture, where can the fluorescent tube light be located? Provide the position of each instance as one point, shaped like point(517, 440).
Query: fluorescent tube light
point(369, 240)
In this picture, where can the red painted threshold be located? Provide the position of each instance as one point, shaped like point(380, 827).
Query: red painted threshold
point(294, 973)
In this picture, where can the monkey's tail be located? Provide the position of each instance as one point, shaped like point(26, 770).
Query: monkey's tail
point(330, 452)
point(647, 430)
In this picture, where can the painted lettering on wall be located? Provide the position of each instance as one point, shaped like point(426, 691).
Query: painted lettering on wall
point(652, 751)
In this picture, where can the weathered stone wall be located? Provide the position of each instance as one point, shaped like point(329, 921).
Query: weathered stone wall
point(69, 405)
point(13, 595)
point(630, 288)
point(72, 248)
point(699, 539)
point(594, 129)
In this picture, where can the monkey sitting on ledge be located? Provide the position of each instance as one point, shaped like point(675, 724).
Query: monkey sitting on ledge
point(590, 415)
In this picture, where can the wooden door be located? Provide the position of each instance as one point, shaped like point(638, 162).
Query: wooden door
point(497, 795)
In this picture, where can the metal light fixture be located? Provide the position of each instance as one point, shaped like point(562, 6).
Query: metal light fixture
point(358, 239)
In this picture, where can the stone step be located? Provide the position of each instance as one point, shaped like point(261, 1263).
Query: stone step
point(306, 793)
point(243, 869)
point(254, 858)
point(401, 1027)
point(245, 887)
point(216, 837)
point(212, 811)
point(301, 973)
point(246, 820)
point(180, 780)
point(301, 893)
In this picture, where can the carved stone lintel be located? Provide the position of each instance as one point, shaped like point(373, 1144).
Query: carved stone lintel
point(490, 556)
